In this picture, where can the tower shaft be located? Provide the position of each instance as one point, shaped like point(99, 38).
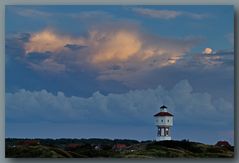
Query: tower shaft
point(164, 133)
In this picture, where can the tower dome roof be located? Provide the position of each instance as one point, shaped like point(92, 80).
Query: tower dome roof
point(163, 114)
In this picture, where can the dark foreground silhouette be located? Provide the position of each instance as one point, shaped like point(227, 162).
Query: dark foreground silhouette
point(117, 148)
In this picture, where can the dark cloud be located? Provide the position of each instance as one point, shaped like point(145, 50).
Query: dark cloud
point(74, 46)
point(115, 67)
point(24, 37)
point(220, 58)
point(37, 57)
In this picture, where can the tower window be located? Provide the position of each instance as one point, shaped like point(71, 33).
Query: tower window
point(161, 120)
point(168, 120)
point(166, 134)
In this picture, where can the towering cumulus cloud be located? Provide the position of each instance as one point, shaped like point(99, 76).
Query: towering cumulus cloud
point(101, 49)
point(118, 108)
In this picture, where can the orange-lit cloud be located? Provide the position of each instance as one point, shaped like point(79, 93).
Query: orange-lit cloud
point(109, 46)
point(128, 49)
point(47, 40)
point(207, 51)
point(116, 46)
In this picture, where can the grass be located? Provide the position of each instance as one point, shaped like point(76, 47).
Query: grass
point(149, 149)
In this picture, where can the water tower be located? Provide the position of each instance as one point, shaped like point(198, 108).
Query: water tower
point(164, 122)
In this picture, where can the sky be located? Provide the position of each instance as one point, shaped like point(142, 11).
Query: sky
point(103, 71)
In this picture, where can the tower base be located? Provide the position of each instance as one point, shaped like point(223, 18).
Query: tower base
point(161, 138)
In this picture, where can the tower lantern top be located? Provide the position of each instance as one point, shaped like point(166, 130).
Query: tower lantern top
point(163, 112)
point(163, 108)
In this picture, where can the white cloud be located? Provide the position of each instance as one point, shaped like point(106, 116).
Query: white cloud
point(90, 15)
point(133, 107)
point(162, 14)
point(31, 12)
point(195, 15)
point(35, 12)
point(167, 14)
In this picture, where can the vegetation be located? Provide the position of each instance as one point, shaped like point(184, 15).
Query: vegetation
point(83, 148)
